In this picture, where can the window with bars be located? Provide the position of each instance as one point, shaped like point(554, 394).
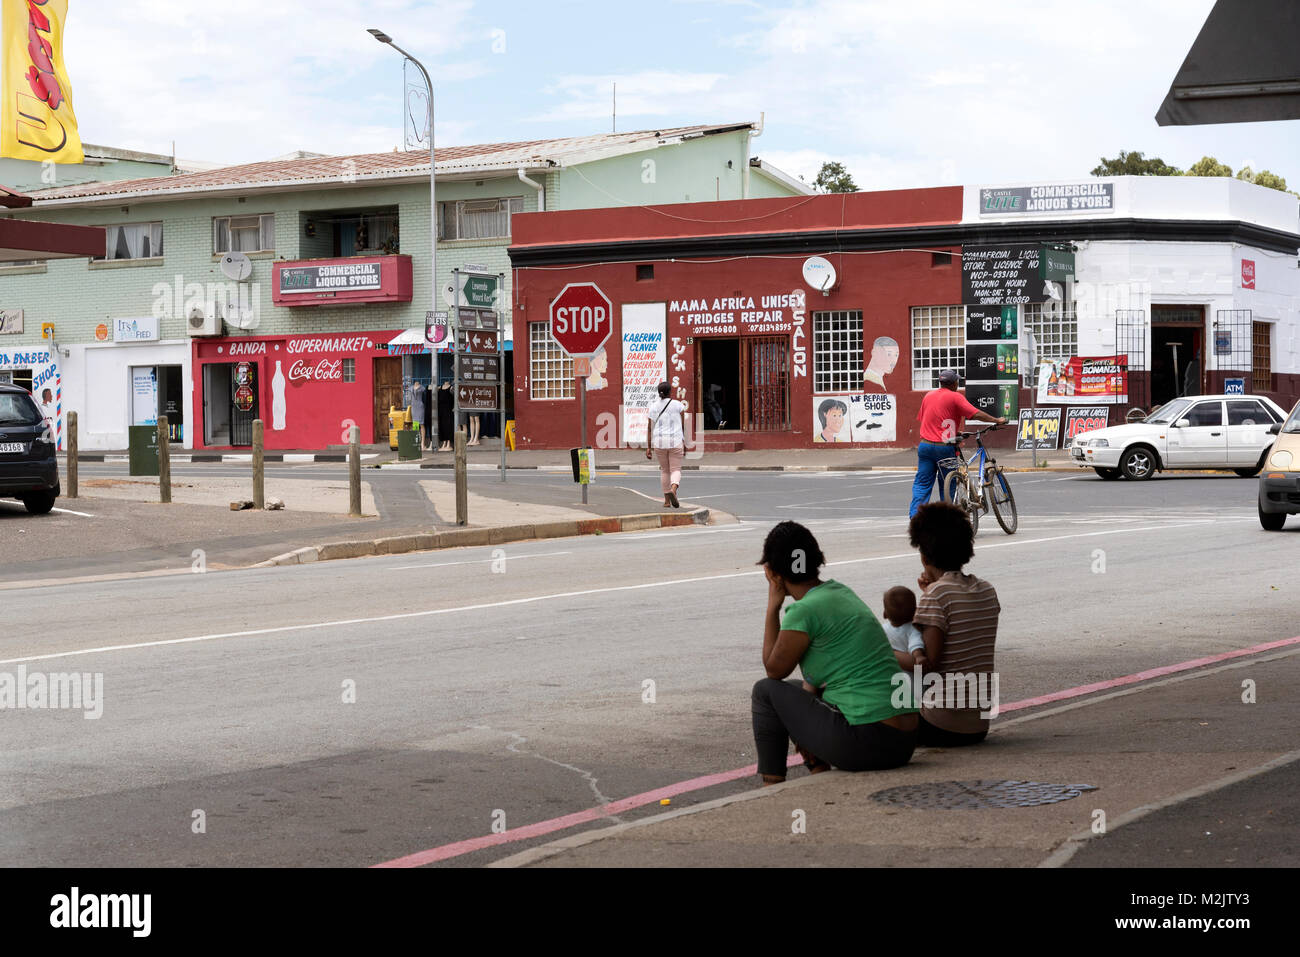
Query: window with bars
point(837, 351)
point(550, 370)
point(1261, 373)
point(243, 234)
point(478, 218)
point(1056, 331)
point(938, 342)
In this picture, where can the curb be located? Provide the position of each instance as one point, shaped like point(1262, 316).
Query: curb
point(245, 458)
point(488, 535)
point(615, 467)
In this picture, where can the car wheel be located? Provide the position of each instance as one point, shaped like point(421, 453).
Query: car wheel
point(1259, 466)
point(1272, 521)
point(1107, 474)
point(39, 503)
point(1138, 463)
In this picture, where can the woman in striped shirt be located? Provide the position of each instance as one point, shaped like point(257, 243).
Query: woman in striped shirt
point(958, 617)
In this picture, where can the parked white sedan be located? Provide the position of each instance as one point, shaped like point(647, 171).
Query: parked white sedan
point(1194, 432)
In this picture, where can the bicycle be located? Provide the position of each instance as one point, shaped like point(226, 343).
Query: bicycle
point(979, 484)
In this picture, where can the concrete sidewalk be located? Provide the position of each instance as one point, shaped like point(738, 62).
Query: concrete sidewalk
point(1144, 748)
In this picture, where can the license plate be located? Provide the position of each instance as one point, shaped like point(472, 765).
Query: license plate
point(13, 446)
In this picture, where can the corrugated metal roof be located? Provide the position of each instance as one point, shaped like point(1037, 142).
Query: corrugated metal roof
point(372, 166)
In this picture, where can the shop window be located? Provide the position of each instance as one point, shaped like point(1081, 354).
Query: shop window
point(1056, 331)
point(837, 351)
point(1262, 357)
point(243, 234)
point(478, 218)
point(349, 370)
point(550, 368)
point(133, 241)
point(938, 342)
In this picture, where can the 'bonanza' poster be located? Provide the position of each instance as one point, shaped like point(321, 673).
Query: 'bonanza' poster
point(1098, 378)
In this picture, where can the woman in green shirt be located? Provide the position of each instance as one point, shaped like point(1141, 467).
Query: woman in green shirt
point(849, 721)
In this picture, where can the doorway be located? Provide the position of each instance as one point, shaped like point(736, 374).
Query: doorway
point(388, 393)
point(1177, 352)
point(719, 383)
point(229, 405)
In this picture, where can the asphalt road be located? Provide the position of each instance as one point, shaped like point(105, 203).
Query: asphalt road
point(352, 713)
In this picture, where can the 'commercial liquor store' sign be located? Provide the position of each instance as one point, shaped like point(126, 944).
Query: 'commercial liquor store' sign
point(308, 279)
point(1070, 198)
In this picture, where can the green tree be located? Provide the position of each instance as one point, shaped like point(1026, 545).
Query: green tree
point(1209, 166)
point(1135, 164)
point(834, 178)
point(1262, 178)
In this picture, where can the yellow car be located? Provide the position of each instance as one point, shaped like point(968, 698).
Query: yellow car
point(1279, 484)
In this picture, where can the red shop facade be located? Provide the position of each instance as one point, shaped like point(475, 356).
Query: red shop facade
point(728, 298)
point(308, 390)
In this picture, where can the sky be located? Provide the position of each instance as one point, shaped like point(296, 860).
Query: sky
point(903, 94)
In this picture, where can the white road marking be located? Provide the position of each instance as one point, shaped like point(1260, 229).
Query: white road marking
point(481, 561)
point(510, 602)
point(68, 511)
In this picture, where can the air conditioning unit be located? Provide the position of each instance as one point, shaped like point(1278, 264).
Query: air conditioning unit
point(204, 323)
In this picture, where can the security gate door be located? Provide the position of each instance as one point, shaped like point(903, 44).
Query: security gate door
point(765, 383)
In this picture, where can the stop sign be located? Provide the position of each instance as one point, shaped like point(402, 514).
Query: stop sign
point(581, 318)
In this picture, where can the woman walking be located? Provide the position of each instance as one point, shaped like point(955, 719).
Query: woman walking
point(665, 436)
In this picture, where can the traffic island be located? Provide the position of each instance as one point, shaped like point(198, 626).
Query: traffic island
point(493, 535)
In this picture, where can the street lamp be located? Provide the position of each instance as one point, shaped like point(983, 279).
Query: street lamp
point(384, 38)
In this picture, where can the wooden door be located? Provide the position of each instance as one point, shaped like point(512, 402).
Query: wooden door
point(388, 393)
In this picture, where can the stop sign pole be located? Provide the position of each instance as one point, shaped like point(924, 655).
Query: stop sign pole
point(581, 322)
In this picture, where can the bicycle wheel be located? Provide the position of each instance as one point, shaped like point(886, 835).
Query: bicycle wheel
point(1003, 502)
point(957, 491)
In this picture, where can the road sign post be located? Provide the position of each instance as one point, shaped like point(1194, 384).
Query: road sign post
point(581, 322)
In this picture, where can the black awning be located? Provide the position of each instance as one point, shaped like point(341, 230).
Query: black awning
point(1243, 68)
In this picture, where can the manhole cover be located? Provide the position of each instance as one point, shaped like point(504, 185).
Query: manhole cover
point(969, 795)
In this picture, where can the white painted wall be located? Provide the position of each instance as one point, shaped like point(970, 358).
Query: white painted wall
point(104, 372)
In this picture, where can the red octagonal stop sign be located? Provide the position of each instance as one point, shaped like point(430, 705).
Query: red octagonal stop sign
point(582, 318)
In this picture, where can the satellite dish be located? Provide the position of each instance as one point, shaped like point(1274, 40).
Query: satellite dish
point(1053, 290)
point(236, 266)
point(819, 273)
point(449, 295)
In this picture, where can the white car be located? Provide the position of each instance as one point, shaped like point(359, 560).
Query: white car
point(1194, 432)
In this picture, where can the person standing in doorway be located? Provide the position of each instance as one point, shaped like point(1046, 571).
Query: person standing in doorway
point(665, 436)
point(942, 412)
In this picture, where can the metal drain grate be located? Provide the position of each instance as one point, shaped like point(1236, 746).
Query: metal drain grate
point(972, 795)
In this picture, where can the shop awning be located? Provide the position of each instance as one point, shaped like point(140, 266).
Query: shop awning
point(410, 342)
point(1242, 68)
point(21, 240)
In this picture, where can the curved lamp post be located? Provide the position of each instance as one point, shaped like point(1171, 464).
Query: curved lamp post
point(384, 38)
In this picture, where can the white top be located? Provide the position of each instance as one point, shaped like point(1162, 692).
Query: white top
point(905, 637)
point(666, 414)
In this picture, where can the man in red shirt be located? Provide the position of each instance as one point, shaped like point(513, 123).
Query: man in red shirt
point(942, 413)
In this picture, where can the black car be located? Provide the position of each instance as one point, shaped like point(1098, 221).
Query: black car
point(28, 469)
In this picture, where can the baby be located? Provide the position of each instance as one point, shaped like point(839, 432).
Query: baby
point(904, 637)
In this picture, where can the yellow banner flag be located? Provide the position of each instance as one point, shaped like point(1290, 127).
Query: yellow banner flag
point(36, 118)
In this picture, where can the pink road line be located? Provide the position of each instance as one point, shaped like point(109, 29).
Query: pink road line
point(458, 848)
point(1146, 675)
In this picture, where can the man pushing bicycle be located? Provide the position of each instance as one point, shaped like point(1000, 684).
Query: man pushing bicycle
point(943, 410)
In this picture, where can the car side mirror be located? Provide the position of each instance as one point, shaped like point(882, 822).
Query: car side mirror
point(1275, 428)
point(1183, 424)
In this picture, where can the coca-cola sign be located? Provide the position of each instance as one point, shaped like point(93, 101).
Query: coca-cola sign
point(326, 370)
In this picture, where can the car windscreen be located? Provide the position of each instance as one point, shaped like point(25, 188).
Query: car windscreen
point(19, 409)
point(1169, 413)
point(1293, 423)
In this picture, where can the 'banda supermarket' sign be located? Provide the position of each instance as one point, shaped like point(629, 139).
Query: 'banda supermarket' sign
point(1070, 198)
